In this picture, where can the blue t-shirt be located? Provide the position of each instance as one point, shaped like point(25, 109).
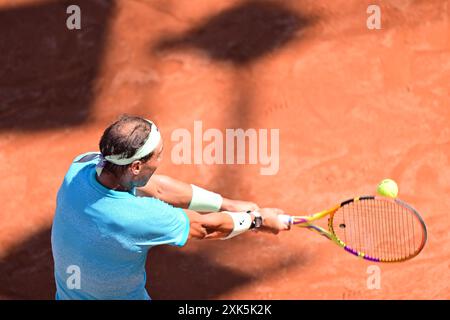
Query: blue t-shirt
point(100, 237)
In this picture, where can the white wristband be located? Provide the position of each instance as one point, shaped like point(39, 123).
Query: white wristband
point(242, 222)
point(204, 200)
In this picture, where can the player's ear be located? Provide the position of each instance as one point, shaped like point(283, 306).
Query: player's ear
point(136, 167)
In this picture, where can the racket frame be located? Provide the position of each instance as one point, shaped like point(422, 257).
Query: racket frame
point(306, 222)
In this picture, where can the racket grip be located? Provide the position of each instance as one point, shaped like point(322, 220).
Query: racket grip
point(286, 219)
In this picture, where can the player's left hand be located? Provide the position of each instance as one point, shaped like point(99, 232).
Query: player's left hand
point(238, 205)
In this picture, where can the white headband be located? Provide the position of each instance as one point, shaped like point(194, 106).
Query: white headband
point(149, 146)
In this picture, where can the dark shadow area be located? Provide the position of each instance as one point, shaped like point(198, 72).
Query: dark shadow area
point(174, 273)
point(26, 272)
point(47, 71)
point(241, 34)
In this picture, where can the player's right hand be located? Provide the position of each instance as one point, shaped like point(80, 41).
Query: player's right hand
point(271, 223)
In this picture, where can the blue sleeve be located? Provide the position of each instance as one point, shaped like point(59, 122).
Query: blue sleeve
point(161, 224)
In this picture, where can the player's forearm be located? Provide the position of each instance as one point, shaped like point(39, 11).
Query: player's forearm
point(184, 195)
point(226, 225)
point(216, 225)
point(189, 196)
point(169, 190)
point(219, 225)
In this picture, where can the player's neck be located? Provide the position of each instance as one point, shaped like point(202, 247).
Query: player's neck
point(111, 182)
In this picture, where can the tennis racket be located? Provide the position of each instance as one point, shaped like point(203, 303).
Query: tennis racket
point(374, 228)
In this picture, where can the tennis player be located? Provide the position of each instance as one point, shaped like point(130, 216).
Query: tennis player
point(111, 209)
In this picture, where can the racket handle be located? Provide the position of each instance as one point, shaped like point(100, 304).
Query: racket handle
point(286, 219)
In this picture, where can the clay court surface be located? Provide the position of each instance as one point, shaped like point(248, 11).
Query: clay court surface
point(353, 106)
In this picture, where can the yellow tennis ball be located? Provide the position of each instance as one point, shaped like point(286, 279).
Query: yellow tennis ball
point(388, 188)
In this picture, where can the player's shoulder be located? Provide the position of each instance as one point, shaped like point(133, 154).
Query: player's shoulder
point(154, 204)
point(155, 223)
point(157, 210)
point(86, 157)
point(80, 163)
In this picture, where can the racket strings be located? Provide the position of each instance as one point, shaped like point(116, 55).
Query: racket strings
point(379, 228)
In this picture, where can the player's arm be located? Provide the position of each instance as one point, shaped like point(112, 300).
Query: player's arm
point(226, 225)
point(188, 196)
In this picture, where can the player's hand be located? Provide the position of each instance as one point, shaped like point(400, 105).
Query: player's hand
point(271, 223)
point(238, 205)
point(197, 231)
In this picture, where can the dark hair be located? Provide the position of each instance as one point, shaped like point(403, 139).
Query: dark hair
point(125, 136)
